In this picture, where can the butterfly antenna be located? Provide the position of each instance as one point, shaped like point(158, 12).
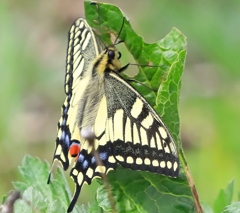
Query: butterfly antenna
point(115, 42)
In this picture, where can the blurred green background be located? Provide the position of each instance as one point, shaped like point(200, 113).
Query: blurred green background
point(33, 42)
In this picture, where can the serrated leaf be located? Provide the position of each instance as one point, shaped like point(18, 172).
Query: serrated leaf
point(233, 208)
point(154, 192)
point(136, 191)
point(224, 198)
point(37, 194)
point(34, 173)
point(60, 189)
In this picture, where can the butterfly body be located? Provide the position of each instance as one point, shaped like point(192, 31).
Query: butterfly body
point(126, 129)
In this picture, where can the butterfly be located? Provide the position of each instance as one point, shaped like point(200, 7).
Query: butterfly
point(124, 128)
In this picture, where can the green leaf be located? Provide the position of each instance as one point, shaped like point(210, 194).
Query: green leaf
point(224, 198)
point(206, 208)
point(136, 191)
point(233, 208)
point(37, 194)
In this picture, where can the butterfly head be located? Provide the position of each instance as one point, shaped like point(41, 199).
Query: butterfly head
point(109, 60)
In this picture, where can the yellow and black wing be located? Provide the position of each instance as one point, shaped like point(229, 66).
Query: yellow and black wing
point(126, 129)
point(82, 50)
point(128, 132)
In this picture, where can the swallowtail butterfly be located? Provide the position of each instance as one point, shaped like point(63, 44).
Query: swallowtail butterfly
point(127, 130)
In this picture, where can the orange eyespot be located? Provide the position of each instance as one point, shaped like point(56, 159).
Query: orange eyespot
point(74, 150)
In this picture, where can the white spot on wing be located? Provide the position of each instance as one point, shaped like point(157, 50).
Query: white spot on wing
point(162, 164)
point(159, 144)
point(101, 118)
point(100, 169)
point(129, 160)
point(76, 51)
point(58, 150)
point(111, 159)
point(139, 161)
point(109, 169)
point(166, 148)
point(137, 108)
point(86, 41)
point(173, 148)
point(89, 172)
point(175, 166)
point(118, 124)
point(147, 161)
point(128, 136)
point(81, 23)
point(71, 30)
point(169, 164)
point(75, 172)
point(144, 139)
point(152, 143)
point(78, 67)
point(119, 158)
point(163, 132)
point(77, 33)
point(80, 178)
point(136, 138)
point(155, 163)
point(147, 122)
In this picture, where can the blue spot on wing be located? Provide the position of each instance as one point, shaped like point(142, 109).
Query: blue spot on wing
point(81, 158)
point(64, 122)
point(85, 164)
point(93, 160)
point(67, 140)
point(63, 135)
point(103, 155)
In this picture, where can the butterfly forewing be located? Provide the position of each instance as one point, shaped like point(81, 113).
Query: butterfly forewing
point(140, 139)
point(82, 50)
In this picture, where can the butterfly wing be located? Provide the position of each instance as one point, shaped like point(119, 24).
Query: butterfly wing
point(87, 166)
point(128, 132)
point(127, 129)
point(83, 48)
point(139, 137)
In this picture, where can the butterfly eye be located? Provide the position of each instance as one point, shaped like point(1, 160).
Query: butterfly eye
point(111, 54)
point(119, 55)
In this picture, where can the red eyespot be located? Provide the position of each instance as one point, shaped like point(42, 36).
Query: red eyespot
point(74, 150)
